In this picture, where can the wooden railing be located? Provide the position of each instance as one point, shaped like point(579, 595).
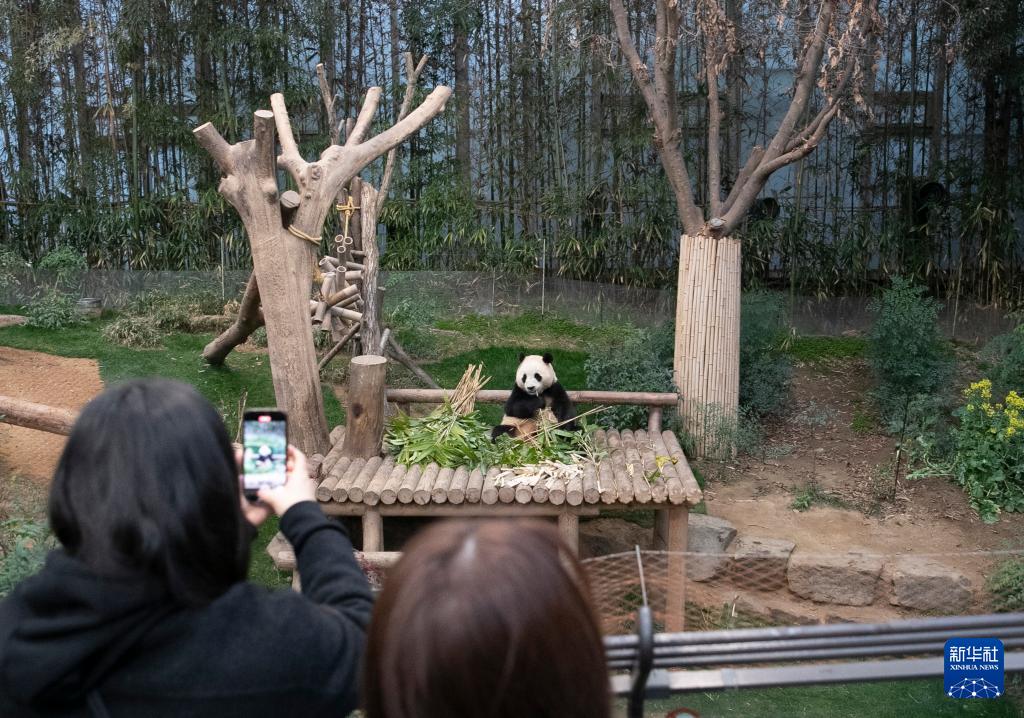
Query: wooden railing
point(655, 401)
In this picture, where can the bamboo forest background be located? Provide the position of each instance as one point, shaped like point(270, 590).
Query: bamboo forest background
point(544, 157)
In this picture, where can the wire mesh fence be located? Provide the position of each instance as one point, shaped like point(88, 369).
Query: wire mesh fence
point(770, 585)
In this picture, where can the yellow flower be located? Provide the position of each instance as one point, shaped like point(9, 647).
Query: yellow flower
point(1013, 399)
point(970, 407)
point(1010, 431)
point(984, 387)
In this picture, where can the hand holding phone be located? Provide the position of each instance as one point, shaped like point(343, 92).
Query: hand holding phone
point(264, 450)
point(298, 487)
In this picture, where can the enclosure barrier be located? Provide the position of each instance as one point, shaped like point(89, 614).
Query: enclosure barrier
point(655, 401)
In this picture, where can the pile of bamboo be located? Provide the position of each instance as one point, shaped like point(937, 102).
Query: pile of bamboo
point(638, 467)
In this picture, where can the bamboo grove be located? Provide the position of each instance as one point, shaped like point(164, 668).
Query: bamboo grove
point(544, 155)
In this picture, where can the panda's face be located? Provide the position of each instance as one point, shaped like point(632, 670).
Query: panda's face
point(535, 373)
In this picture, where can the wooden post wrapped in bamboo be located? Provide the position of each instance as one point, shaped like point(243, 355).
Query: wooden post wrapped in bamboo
point(421, 494)
point(340, 492)
point(439, 491)
point(325, 491)
point(363, 478)
point(389, 494)
point(409, 484)
point(457, 491)
point(474, 486)
point(373, 490)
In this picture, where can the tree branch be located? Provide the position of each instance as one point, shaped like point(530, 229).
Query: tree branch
point(289, 158)
point(412, 76)
point(211, 140)
point(327, 94)
point(366, 114)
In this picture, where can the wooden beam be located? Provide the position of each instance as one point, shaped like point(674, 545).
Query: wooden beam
point(41, 417)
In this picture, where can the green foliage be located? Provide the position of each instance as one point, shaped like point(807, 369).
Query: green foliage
point(450, 439)
point(764, 366)
point(67, 264)
point(259, 337)
point(52, 310)
point(816, 349)
point(1006, 584)
point(132, 331)
point(989, 460)
point(812, 494)
point(635, 366)
point(24, 544)
point(862, 423)
point(10, 264)
point(1006, 354)
point(908, 355)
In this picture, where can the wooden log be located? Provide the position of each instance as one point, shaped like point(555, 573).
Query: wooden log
point(439, 491)
point(556, 491)
point(373, 531)
point(658, 482)
point(489, 492)
point(457, 490)
point(574, 491)
point(371, 497)
point(337, 437)
point(635, 468)
point(336, 349)
point(421, 494)
point(617, 456)
point(340, 491)
point(363, 478)
point(606, 482)
point(346, 314)
point(474, 486)
point(326, 290)
point(325, 491)
point(591, 494)
point(249, 319)
point(356, 265)
point(364, 431)
point(691, 488)
point(314, 464)
point(328, 263)
point(337, 297)
point(673, 480)
point(670, 533)
point(372, 297)
point(41, 417)
point(409, 484)
point(524, 493)
point(654, 419)
point(506, 494)
point(540, 492)
point(500, 396)
point(389, 494)
point(569, 530)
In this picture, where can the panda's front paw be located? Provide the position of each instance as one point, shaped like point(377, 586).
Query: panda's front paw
point(501, 429)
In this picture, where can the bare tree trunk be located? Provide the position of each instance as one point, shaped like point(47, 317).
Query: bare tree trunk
point(249, 319)
point(370, 332)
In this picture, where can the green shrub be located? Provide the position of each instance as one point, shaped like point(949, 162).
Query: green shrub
point(10, 263)
point(52, 310)
point(24, 544)
point(1006, 585)
point(1006, 354)
point(67, 263)
point(132, 331)
point(639, 365)
point(765, 369)
point(259, 337)
point(908, 355)
point(989, 460)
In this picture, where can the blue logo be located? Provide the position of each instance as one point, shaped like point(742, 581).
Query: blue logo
point(974, 668)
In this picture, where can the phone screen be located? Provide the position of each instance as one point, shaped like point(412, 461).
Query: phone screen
point(265, 450)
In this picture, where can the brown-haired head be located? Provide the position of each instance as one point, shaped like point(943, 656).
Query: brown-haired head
point(485, 620)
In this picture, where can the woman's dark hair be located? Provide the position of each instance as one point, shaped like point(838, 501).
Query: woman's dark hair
point(147, 484)
point(485, 620)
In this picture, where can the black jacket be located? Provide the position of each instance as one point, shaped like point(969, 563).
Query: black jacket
point(75, 644)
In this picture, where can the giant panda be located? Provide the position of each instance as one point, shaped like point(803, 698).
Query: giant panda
point(535, 390)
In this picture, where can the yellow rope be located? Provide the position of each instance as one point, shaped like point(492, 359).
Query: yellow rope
point(302, 235)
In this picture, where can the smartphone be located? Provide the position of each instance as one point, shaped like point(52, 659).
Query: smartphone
point(264, 450)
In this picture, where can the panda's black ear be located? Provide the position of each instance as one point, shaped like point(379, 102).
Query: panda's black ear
point(522, 355)
point(547, 357)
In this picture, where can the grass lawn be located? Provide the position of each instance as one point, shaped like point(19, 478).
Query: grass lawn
point(903, 699)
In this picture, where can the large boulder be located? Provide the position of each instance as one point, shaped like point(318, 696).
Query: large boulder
point(606, 536)
point(708, 536)
point(760, 563)
point(927, 585)
point(849, 579)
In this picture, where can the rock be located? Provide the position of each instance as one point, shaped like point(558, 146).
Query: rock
point(709, 536)
point(602, 537)
point(847, 579)
point(760, 563)
point(927, 585)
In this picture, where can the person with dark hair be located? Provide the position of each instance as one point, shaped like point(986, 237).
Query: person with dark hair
point(145, 610)
point(485, 620)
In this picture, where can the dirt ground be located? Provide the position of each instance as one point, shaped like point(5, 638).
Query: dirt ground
point(45, 379)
